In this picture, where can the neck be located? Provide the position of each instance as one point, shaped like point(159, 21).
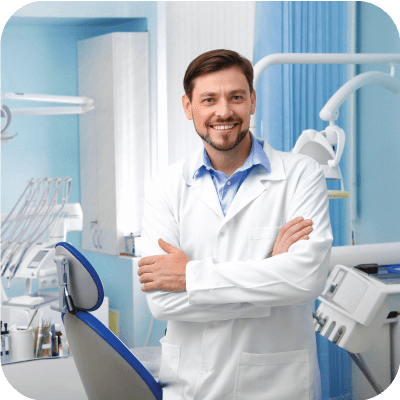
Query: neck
point(229, 161)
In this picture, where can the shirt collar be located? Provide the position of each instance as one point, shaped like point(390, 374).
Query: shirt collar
point(257, 156)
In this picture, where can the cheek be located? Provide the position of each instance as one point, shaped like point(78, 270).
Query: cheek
point(199, 110)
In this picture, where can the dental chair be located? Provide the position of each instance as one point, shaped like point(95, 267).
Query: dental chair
point(107, 368)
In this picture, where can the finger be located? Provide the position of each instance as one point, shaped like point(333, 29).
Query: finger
point(302, 235)
point(149, 286)
point(147, 277)
point(145, 270)
point(287, 226)
point(294, 229)
point(296, 236)
point(299, 226)
point(147, 260)
point(166, 246)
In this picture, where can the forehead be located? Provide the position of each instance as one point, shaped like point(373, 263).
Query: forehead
point(225, 80)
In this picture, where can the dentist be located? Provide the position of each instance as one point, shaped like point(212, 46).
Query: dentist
point(232, 261)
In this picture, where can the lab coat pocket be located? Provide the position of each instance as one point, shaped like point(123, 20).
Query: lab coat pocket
point(261, 241)
point(274, 376)
point(168, 378)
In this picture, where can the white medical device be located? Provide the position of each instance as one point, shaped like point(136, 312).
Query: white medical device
point(355, 304)
point(359, 297)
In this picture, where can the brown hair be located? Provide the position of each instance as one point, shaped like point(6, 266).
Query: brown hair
point(213, 61)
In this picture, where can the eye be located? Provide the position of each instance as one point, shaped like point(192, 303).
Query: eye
point(208, 100)
point(237, 97)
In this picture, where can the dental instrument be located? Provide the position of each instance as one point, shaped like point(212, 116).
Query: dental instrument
point(36, 220)
point(46, 223)
point(39, 219)
point(34, 314)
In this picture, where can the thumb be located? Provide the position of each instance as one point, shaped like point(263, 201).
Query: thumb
point(166, 246)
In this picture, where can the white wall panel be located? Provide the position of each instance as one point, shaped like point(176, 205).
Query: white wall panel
point(192, 29)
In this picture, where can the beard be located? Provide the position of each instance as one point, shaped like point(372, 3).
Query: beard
point(206, 137)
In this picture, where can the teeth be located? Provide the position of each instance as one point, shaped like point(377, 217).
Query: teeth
point(222, 127)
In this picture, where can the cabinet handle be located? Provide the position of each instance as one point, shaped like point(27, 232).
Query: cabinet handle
point(93, 227)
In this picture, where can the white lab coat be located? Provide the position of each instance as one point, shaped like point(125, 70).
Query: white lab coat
point(243, 329)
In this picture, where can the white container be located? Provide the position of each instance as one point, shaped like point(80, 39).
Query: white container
point(21, 344)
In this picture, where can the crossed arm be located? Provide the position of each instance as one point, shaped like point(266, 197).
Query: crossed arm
point(167, 272)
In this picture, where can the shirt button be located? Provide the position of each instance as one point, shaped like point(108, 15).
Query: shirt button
point(207, 168)
point(210, 326)
point(228, 183)
point(206, 370)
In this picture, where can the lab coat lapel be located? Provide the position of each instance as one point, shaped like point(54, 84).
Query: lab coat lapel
point(257, 182)
point(252, 187)
point(203, 188)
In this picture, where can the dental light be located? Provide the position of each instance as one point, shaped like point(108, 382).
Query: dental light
point(319, 145)
point(326, 147)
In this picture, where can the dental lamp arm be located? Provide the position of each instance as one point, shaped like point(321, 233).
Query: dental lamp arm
point(330, 111)
point(316, 58)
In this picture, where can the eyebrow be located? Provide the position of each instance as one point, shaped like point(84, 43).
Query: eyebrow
point(234, 92)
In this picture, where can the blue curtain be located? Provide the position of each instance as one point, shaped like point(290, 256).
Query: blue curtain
point(289, 99)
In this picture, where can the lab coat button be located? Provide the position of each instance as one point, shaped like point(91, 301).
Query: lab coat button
point(222, 233)
point(210, 326)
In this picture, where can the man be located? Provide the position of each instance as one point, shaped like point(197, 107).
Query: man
point(234, 286)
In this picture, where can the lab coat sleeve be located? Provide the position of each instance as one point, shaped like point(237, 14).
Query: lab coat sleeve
point(159, 222)
point(293, 278)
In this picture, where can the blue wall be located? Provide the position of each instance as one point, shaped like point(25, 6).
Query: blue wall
point(378, 135)
point(39, 56)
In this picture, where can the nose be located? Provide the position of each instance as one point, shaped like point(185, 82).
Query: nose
point(223, 110)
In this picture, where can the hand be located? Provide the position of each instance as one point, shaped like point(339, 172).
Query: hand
point(290, 233)
point(164, 272)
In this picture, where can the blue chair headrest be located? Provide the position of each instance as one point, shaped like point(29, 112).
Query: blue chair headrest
point(86, 288)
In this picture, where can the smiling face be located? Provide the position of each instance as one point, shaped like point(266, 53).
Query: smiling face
point(221, 107)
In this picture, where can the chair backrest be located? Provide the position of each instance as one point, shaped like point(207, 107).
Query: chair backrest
point(107, 368)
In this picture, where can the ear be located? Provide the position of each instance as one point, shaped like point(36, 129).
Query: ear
point(253, 101)
point(187, 107)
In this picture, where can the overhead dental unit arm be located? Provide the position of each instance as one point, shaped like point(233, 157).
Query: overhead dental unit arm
point(330, 111)
point(327, 147)
point(85, 104)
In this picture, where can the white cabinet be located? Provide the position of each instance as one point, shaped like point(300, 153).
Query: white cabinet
point(115, 155)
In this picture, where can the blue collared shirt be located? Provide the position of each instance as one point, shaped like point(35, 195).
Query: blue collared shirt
point(228, 187)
